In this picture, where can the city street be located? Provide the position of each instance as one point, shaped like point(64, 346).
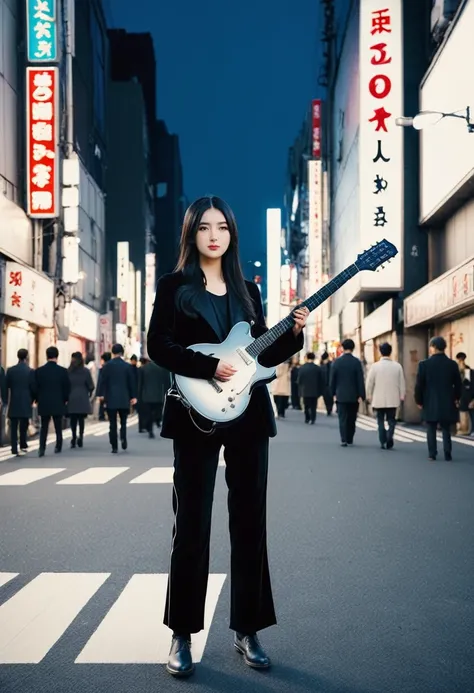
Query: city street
point(371, 555)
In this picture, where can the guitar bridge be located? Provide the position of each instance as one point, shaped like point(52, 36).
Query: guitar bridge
point(215, 385)
point(245, 357)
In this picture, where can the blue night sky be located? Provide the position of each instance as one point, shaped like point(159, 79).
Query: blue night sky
point(233, 81)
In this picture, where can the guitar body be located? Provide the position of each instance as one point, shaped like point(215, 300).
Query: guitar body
point(218, 402)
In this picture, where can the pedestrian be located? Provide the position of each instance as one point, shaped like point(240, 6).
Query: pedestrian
point(79, 405)
point(326, 373)
point(348, 389)
point(281, 388)
point(118, 390)
point(199, 303)
point(438, 390)
point(153, 384)
point(137, 409)
point(295, 394)
point(51, 392)
point(466, 403)
point(385, 391)
point(20, 392)
point(3, 388)
point(105, 358)
point(310, 383)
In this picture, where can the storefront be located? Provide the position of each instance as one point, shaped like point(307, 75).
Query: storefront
point(445, 307)
point(28, 308)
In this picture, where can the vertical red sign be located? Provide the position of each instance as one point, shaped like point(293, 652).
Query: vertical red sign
point(316, 127)
point(42, 91)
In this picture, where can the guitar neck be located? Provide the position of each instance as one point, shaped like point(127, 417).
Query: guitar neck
point(271, 335)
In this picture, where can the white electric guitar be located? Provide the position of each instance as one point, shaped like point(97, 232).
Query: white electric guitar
point(221, 403)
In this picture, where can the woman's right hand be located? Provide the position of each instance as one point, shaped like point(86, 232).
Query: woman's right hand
point(224, 371)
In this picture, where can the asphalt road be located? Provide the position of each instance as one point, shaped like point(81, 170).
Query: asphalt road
point(371, 552)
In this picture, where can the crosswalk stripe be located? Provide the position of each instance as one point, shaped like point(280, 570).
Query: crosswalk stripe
point(6, 577)
point(26, 475)
point(415, 436)
point(93, 475)
point(34, 619)
point(155, 475)
point(133, 632)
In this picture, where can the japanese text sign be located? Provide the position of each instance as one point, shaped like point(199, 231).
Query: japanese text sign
point(42, 136)
point(380, 140)
point(42, 31)
point(316, 127)
point(28, 295)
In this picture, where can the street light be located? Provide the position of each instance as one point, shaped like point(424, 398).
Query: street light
point(428, 118)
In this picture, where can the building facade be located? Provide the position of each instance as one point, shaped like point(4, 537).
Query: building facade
point(375, 64)
point(445, 304)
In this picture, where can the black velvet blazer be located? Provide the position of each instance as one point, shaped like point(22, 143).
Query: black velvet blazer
point(171, 331)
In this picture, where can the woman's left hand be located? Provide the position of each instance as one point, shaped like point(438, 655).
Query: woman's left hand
point(300, 316)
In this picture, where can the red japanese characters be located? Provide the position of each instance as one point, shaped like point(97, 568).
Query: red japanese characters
point(42, 137)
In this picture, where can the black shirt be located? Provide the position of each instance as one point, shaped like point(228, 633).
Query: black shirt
point(221, 309)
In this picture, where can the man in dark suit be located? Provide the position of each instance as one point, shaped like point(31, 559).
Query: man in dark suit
point(20, 386)
point(153, 383)
point(51, 391)
point(310, 383)
point(347, 386)
point(118, 390)
point(438, 390)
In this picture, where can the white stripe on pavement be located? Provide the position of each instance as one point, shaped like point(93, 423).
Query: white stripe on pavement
point(93, 475)
point(34, 619)
point(155, 475)
point(6, 577)
point(25, 476)
point(414, 435)
point(130, 632)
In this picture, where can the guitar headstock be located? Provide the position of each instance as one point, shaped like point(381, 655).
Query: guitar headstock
point(376, 255)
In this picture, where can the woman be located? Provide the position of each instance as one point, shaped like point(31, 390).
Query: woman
point(281, 388)
point(79, 404)
point(199, 303)
point(295, 390)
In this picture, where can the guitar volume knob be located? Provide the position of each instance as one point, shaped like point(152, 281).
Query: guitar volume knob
point(231, 399)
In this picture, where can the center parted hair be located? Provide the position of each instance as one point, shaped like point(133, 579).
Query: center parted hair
point(188, 262)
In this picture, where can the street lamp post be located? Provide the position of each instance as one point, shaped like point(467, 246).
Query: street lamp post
point(428, 118)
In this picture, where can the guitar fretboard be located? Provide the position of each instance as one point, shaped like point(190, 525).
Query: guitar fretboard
point(267, 339)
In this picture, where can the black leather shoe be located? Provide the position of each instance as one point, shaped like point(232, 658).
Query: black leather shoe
point(254, 654)
point(58, 449)
point(80, 442)
point(448, 457)
point(124, 444)
point(73, 443)
point(180, 661)
point(41, 452)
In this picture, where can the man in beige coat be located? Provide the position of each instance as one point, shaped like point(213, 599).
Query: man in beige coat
point(385, 391)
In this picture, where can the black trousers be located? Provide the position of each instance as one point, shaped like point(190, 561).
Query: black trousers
point(347, 413)
point(431, 437)
point(389, 414)
point(195, 466)
point(281, 403)
point(58, 427)
point(113, 431)
point(328, 400)
point(295, 397)
point(152, 414)
point(77, 420)
point(310, 404)
point(15, 423)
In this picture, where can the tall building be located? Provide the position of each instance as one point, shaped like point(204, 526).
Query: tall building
point(26, 292)
point(170, 199)
point(445, 304)
point(131, 181)
point(375, 57)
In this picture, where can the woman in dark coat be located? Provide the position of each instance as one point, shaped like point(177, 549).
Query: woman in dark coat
point(79, 405)
point(199, 303)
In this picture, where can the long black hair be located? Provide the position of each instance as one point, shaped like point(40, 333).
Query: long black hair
point(77, 361)
point(188, 262)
